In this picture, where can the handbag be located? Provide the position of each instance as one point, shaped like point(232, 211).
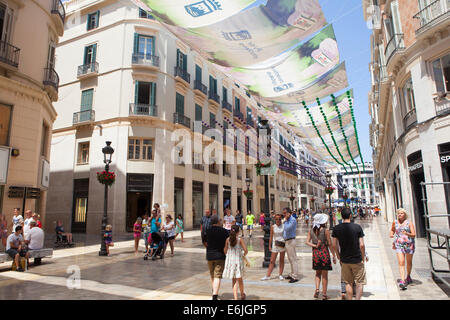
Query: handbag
point(280, 244)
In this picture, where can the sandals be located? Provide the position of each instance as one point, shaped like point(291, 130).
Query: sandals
point(325, 297)
point(243, 296)
point(316, 294)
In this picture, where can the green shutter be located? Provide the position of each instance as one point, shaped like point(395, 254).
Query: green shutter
point(136, 43)
point(98, 18)
point(178, 57)
point(198, 113)
point(179, 104)
point(136, 91)
point(212, 120)
point(86, 99)
point(211, 86)
point(153, 94)
point(85, 55)
point(198, 73)
point(153, 46)
point(184, 62)
point(94, 53)
point(225, 94)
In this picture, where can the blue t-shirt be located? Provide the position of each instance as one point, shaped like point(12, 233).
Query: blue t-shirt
point(154, 227)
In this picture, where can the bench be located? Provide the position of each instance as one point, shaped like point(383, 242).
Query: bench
point(37, 255)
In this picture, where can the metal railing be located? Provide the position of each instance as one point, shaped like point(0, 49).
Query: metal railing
point(198, 85)
point(145, 59)
point(431, 13)
point(87, 68)
point(442, 106)
point(395, 44)
point(182, 74)
point(410, 119)
point(83, 116)
point(181, 119)
point(140, 109)
point(213, 169)
point(250, 122)
point(238, 114)
point(51, 78)
point(213, 96)
point(9, 54)
point(58, 8)
point(198, 166)
point(226, 105)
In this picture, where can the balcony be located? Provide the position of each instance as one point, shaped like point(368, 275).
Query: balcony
point(395, 44)
point(213, 168)
point(59, 11)
point(180, 73)
point(83, 117)
point(182, 119)
point(87, 70)
point(409, 119)
point(432, 15)
point(239, 115)
point(198, 85)
point(139, 109)
point(442, 106)
point(214, 97)
point(9, 54)
point(145, 60)
point(51, 78)
point(250, 122)
point(227, 106)
point(198, 166)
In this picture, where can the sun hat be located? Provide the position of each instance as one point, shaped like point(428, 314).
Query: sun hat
point(319, 219)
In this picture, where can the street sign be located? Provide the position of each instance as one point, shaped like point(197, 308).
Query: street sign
point(16, 192)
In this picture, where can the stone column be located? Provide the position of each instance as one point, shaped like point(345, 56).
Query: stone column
point(187, 198)
point(234, 185)
point(220, 209)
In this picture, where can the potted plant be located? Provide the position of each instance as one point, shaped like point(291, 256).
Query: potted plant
point(248, 194)
point(260, 165)
point(106, 177)
point(329, 190)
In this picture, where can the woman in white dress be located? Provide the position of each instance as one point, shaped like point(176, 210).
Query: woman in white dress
point(235, 249)
point(276, 245)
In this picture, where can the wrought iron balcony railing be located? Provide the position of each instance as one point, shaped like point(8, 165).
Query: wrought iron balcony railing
point(439, 10)
point(226, 105)
point(58, 8)
point(139, 109)
point(87, 69)
point(214, 96)
point(179, 72)
point(395, 44)
point(198, 85)
point(410, 119)
point(51, 78)
point(83, 116)
point(182, 119)
point(442, 106)
point(145, 59)
point(238, 114)
point(9, 54)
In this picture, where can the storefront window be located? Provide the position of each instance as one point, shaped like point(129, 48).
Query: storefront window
point(197, 202)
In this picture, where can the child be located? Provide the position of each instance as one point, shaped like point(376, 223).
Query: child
point(155, 242)
point(145, 230)
point(137, 229)
point(108, 238)
point(234, 262)
point(179, 227)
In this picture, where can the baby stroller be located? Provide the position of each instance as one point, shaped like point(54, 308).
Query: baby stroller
point(158, 242)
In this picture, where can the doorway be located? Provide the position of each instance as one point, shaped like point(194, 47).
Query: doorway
point(419, 211)
point(138, 204)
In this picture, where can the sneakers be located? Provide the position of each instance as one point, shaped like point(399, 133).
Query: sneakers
point(402, 285)
point(20, 269)
point(265, 278)
point(408, 280)
point(293, 280)
point(281, 278)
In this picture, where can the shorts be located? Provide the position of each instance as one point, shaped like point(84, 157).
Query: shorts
point(353, 273)
point(145, 236)
point(249, 227)
point(171, 238)
point(216, 268)
point(240, 225)
point(108, 242)
point(13, 252)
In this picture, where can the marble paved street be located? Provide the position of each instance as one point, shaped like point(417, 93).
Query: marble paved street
point(185, 275)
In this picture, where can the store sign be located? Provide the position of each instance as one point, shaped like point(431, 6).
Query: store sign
point(4, 162)
point(445, 159)
point(415, 167)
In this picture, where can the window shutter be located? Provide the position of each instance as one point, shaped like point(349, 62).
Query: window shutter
point(98, 19)
point(179, 104)
point(94, 53)
point(198, 113)
point(198, 73)
point(178, 57)
point(153, 94)
point(86, 100)
point(184, 62)
point(136, 91)
point(225, 94)
point(86, 49)
point(136, 43)
point(153, 46)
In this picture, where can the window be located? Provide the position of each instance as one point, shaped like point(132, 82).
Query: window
point(145, 14)
point(92, 20)
point(86, 104)
point(441, 72)
point(212, 120)
point(145, 93)
point(83, 153)
point(224, 94)
point(44, 140)
point(213, 85)
point(181, 60)
point(80, 209)
point(6, 15)
point(179, 108)
point(51, 55)
point(237, 104)
point(140, 149)
point(90, 53)
point(198, 73)
point(407, 97)
point(198, 113)
point(5, 124)
point(144, 45)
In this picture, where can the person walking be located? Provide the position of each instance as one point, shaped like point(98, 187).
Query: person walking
point(348, 244)
point(205, 224)
point(239, 221)
point(339, 215)
point(137, 230)
point(261, 220)
point(179, 227)
point(228, 220)
point(145, 230)
point(307, 217)
point(235, 249)
point(250, 222)
point(319, 239)
point(289, 234)
point(276, 246)
point(404, 233)
point(169, 227)
point(214, 241)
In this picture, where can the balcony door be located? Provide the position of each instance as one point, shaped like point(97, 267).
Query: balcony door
point(90, 53)
point(87, 97)
point(5, 23)
point(145, 93)
point(144, 45)
point(179, 108)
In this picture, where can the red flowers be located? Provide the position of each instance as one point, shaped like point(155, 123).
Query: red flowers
point(106, 177)
point(248, 194)
point(329, 190)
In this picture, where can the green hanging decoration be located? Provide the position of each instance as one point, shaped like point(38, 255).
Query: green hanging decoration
point(354, 126)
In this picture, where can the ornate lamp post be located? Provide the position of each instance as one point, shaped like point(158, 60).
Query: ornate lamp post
point(107, 155)
point(249, 198)
point(345, 195)
point(292, 198)
point(264, 129)
point(329, 187)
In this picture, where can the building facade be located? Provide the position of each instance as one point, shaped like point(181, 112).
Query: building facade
point(29, 33)
point(126, 79)
point(410, 106)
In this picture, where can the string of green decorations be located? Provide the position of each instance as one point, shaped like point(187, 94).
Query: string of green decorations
point(343, 132)
point(321, 138)
point(356, 132)
point(331, 133)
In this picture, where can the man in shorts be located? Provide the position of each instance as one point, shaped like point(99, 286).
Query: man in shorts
point(15, 247)
point(250, 222)
point(239, 221)
point(348, 243)
point(214, 242)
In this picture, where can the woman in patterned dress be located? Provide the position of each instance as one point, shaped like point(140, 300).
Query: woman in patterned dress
point(235, 249)
point(319, 239)
point(404, 233)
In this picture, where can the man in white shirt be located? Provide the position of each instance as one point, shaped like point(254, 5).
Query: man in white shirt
point(228, 220)
point(26, 223)
point(15, 247)
point(35, 237)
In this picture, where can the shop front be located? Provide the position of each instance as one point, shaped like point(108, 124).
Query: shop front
point(213, 197)
point(416, 176)
point(444, 155)
point(197, 202)
point(139, 197)
point(178, 198)
point(226, 197)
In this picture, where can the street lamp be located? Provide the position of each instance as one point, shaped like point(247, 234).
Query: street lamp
point(264, 128)
point(328, 179)
point(107, 155)
point(249, 201)
point(345, 194)
point(292, 198)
